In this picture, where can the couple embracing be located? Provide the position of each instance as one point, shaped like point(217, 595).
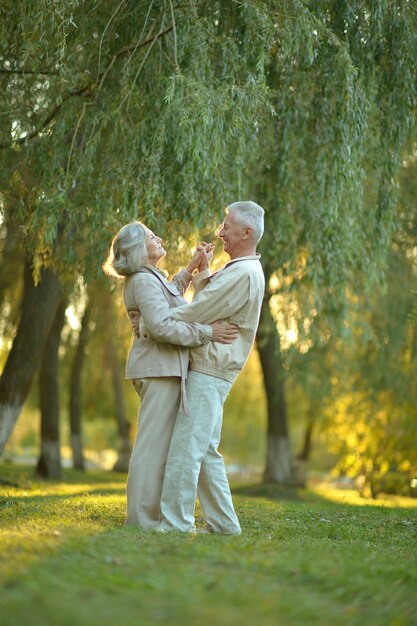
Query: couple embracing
point(182, 363)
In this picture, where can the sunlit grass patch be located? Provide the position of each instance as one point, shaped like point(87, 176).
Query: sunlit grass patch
point(351, 496)
point(66, 558)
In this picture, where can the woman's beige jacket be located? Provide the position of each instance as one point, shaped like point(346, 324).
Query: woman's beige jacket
point(162, 349)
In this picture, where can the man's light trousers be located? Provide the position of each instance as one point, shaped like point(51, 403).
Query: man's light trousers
point(194, 461)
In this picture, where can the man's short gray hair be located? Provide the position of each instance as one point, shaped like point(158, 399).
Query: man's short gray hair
point(249, 213)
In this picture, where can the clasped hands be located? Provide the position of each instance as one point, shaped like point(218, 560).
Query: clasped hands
point(201, 258)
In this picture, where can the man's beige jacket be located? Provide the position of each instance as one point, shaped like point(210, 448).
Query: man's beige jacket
point(234, 293)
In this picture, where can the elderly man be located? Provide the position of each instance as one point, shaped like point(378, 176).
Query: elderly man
point(234, 293)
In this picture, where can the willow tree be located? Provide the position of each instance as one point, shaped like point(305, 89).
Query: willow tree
point(110, 110)
point(172, 110)
point(344, 79)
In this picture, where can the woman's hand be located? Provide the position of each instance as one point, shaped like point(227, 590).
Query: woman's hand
point(207, 249)
point(201, 258)
point(223, 332)
point(195, 260)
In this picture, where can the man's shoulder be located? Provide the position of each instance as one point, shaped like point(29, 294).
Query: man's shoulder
point(245, 272)
point(245, 266)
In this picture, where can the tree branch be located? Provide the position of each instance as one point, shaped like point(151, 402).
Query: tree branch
point(82, 91)
point(29, 72)
point(175, 34)
point(144, 43)
point(33, 133)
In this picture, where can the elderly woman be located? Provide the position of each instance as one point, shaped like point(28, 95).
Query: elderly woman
point(157, 369)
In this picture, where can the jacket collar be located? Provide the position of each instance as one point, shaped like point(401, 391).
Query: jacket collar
point(154, 270)
point(255, 257)
point(161, 275)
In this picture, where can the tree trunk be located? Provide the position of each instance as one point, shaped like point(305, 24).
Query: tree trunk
point(302, 459)
point(278, 460)
point(75, 393)
point(122, 463)
point(39, 306)
point(10, 256)
point(117, 375)
point(49, 463)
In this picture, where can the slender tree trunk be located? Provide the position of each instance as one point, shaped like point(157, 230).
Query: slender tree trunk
point(39, 306)
point(75, 392)
point(49, 463)
point(9, 257)
point(303, 457)
point(278, 457)
point(307, 442)
point(117, 376)
point(122, 463)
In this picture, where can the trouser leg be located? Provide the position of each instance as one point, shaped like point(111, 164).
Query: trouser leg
point(214, 490)
point(192, 438)
point(160, 400)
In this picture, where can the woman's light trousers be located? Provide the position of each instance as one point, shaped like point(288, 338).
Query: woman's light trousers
point(159, 404)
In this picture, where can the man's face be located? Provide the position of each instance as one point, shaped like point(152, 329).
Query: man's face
point(232, 234)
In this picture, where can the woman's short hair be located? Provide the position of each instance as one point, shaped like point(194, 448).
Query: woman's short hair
point(127, 252)
point(249, 213)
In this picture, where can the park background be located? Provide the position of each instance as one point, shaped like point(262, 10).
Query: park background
point(168, 111)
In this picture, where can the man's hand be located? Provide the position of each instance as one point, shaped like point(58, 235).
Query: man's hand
point(207, 249)
point(134, 317)
point(223, 332)
point(201, 258)
point(195, 260)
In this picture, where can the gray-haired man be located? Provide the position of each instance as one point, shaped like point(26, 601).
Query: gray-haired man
point(234, 293)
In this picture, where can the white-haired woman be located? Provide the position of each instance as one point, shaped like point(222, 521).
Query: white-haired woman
point(157, 363)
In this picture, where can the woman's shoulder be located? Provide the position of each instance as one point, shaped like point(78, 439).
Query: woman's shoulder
point(142, 277)
point(139, 282)
point(147, 279)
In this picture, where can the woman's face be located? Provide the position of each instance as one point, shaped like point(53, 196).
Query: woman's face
point(153, 247)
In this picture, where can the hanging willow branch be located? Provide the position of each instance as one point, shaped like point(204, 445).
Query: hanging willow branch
point(28, 72)
point(33, 133)
point(84, 91)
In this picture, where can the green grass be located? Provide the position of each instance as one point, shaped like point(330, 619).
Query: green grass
point(318, 557)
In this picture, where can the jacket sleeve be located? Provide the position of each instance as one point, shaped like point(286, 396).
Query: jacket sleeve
point(221, 299)
point(155, 312)
point(200, 280)
point(182, 280)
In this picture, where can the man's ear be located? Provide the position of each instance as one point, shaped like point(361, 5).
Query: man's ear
point(248, 232)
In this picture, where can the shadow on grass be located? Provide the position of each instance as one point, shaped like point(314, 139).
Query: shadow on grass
point(273, 491)
point(25, 477)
